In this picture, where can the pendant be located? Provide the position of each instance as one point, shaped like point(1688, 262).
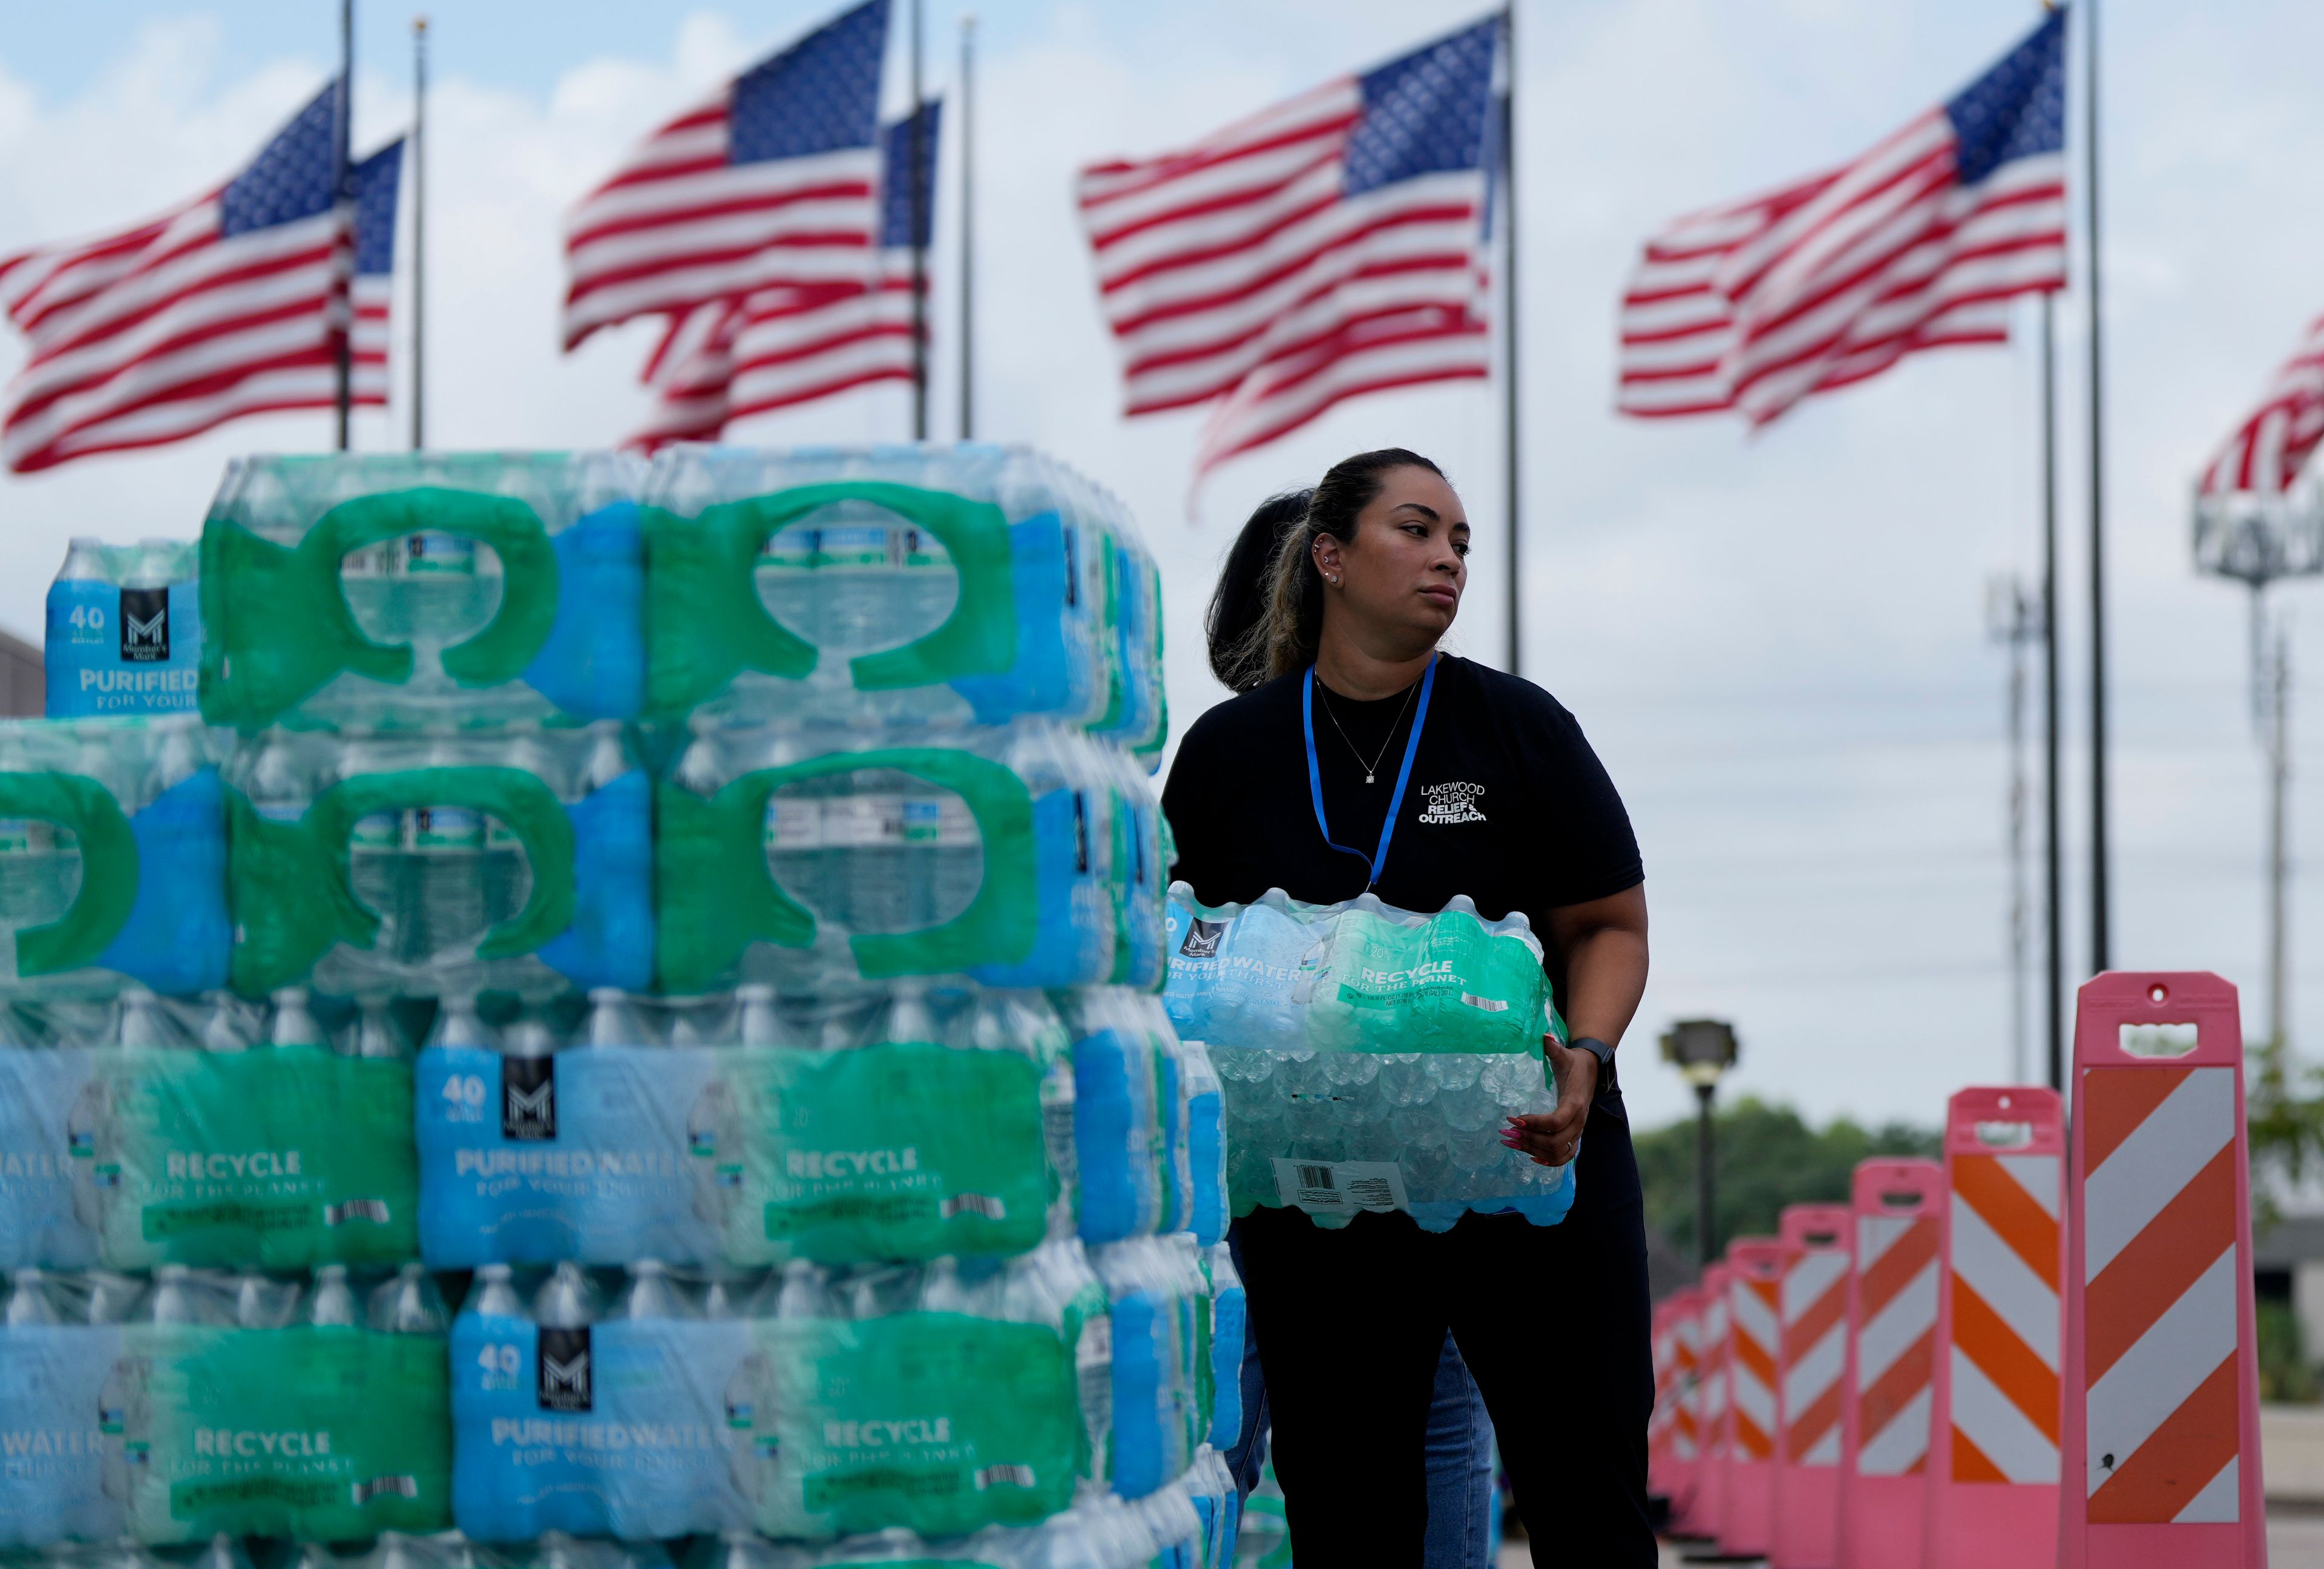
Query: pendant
point(1368, 778)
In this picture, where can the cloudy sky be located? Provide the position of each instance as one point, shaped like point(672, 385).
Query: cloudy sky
point(1776, 643)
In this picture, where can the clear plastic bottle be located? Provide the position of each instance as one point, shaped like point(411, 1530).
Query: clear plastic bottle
point(377, 1035)
point(409, 1303)
point(379, 869)
point(291, 1023)
point(495, 1294)
point(32, 872)
point(508, 879)
point(567, 1299)
point(28, 1301)
point(448, 856)
point(333, 1300)
point(651, 1294)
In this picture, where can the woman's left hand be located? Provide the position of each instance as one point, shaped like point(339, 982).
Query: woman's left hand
point(1555, 1138)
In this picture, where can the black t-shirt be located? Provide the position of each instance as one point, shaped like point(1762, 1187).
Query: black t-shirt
point(1506, 802)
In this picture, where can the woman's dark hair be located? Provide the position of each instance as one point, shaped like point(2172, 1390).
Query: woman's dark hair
point(1239, 603)
point(1267, 615)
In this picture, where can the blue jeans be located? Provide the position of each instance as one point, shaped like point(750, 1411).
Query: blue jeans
point(1460, 1449)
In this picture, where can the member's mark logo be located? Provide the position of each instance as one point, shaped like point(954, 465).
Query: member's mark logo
point(529, 1098)
point(1456, 802)
point(1202, 937)
point(145, 625)
point(563, 1356)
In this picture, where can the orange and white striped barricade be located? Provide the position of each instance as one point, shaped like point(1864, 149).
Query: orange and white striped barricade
point(1892, 1337)
point(1665, 1341)
point(1683, 1461)
point(1707, 1511)
point(1993, 1471)
point(1811, 1362)
point(2160, 1456)
point(1755, 1270)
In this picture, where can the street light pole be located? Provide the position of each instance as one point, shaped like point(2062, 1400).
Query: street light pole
point(1703, 1050)
point(1706, 1225)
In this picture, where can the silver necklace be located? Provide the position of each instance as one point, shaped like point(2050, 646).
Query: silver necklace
point(1371, 768)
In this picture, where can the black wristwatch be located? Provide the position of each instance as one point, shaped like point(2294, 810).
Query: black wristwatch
point(1597, 1048)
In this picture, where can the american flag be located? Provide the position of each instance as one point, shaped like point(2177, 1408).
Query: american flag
point(1921, 242)
point(1329, 246)
point(794, 342)
point(770, 181)
point(2268, 449)
point(376, 180)
point(228, 305)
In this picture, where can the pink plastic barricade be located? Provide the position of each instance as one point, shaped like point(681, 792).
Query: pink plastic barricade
point(1706, 1511)
point(1665, 1341)
point(1683, 1457)
point(1993, 1471)
point(2161, 1460)
point(1811, 1363)
point(1892, 1335)
point(1755, 1266)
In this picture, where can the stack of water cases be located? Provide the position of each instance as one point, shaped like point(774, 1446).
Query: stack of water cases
point(759, 850)
point(936, 1193)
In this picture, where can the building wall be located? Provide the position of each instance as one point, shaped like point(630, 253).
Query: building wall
point(23, 687)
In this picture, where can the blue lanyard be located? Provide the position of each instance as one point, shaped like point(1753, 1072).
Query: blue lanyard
point(1378, 860)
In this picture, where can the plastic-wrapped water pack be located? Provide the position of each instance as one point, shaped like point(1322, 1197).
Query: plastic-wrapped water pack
point(60, 1338)
point(941, 1397)
point(396, 864)
point(250, 1404)
point(124, 630)
point(112, 856)
point(811, 859)
point(1369, 1055)
point(913, 1122)
point(423, 588)
point(597, 1405)
point(152, 1130)
point(968, 584)
point(563, 1132)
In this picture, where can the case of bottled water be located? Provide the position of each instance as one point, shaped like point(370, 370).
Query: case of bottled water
point(1164, 1377)
point(112, 856)
point(968, 584)
point(1170, 1530)
point(1369, 1055)
point(1137, 716)
point(150, 1130)
point(256, 1405)
point(517, 859)
point(940, 1397)
point(565, 1134)
point(384, 588)
point(810, 859)
point(60, 1336)
point(597, 1403)
point(124, 630)
point(919, 1121)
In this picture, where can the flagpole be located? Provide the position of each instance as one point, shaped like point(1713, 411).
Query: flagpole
point(1509, 327)
point(919, 248)
point(342, 348)
point(968, 227)
point(2051, 850)
point(2100, 947)
point(419, 232)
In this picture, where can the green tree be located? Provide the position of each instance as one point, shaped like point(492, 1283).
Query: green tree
point(1766, 1157)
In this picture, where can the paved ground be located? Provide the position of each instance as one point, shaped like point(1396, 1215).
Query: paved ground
point(2295, 1540)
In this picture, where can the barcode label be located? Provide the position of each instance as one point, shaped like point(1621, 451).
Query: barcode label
point(1490, 1004)
point(993, 1476)
point(1340, 1185)
point(406, 1487)
point(357, 1209)
point(990, 1207)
